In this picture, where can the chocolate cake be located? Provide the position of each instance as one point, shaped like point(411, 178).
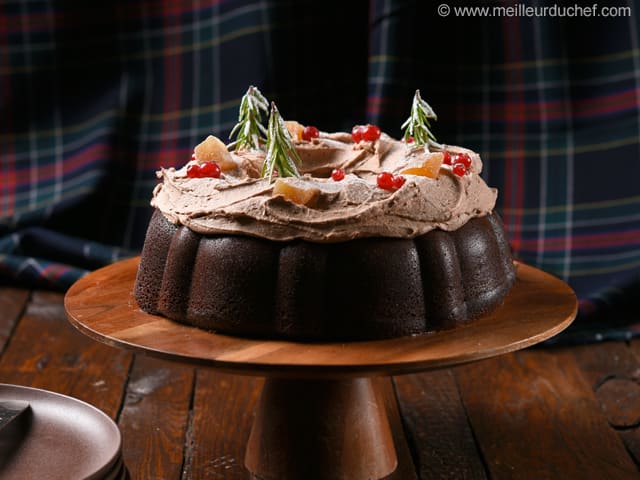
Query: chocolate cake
point(370, 238)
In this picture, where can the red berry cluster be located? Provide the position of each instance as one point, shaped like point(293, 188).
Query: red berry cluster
point(337, 174)
point(309, 133)
point(206, 169)
point(369, 133)
point(460, 162)
point(389, 181)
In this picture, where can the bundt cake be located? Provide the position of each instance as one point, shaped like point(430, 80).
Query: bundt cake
point(368, 238)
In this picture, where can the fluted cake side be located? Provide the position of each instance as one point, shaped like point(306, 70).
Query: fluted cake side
point(369, 288)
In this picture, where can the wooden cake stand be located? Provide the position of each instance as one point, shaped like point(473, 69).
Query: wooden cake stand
point(327, 410)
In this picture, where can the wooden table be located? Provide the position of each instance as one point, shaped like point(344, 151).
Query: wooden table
point(538, 413)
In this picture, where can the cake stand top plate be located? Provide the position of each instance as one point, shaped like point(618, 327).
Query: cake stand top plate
point(102, 306)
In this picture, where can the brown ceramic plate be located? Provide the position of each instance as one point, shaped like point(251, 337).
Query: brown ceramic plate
point(117, 472)
point(58, 438)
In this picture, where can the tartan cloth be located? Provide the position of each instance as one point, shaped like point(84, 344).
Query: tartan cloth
point(94, 98)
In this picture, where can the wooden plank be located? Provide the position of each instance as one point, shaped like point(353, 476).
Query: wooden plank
point(46, 352)
point(406, 469)
point(631, 435)
point(613, 372)
point(634, 345)
point(223, 411)
point(535, 417)
point(13, 301)
point(154, 418)
point(436, 426)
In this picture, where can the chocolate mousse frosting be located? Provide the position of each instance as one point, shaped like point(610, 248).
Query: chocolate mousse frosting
point(241, 202)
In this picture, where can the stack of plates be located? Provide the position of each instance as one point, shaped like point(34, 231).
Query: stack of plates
point(59, 437)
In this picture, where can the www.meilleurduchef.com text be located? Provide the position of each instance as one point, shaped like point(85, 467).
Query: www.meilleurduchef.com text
point(522, 10)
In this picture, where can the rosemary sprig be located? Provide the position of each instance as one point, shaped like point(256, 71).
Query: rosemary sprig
point(250, 132)
point(281, 154)
point(418, 125)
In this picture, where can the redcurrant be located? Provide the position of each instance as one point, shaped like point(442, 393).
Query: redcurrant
point(462, 158)
point(398, 181)
point(310, 133)
point(459, 169)
point(337, 174)
point(446, 159)
point(385, 180)
point(210, 169)
point(193, 171)
point(371, 133)
point(356, 133)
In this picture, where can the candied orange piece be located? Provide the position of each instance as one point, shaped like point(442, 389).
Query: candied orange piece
point(212, 149)
point(295, 129)
point(296, 194)
point(421, 171)
point(429, 168)
point(432, 164)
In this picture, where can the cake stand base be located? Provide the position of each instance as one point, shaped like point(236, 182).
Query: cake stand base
point(321, 429)
point(328, 410)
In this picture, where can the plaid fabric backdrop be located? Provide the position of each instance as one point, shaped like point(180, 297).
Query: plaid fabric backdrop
point(94, 98)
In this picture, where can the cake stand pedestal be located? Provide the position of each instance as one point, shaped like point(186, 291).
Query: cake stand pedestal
point(327, 410)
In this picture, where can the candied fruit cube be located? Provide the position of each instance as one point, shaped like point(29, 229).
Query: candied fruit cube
point(432, 164)
point(212, 149)
point(296, 193)
point(429, 168)
point(415, 171)
point(295, 129)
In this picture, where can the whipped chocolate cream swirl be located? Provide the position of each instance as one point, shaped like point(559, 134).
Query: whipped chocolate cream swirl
point(240, 202)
